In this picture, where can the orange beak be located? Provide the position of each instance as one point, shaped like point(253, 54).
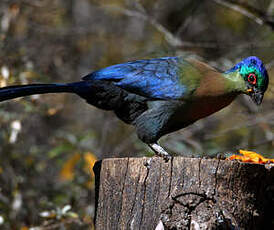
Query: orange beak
point(251, 157)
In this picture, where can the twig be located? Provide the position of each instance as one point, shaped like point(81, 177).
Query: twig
point(170, 38)
point(270, 64)
point(35, 3)
point(175, 41)
point(256, 120)
point(256, 15)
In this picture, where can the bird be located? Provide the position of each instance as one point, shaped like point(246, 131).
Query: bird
point(160, 95)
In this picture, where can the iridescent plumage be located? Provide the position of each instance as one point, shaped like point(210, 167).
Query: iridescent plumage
point(253, 65)
point(150, 78)
point(162, 95)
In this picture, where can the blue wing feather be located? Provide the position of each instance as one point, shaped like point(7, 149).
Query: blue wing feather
point(153, 78)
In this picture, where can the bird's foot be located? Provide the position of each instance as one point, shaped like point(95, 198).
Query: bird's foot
point(159, 151)
point(147, 163)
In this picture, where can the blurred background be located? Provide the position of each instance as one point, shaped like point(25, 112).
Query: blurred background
point(49, 143)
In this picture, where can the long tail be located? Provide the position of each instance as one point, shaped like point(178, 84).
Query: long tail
point(102, 94)
point(10, 92)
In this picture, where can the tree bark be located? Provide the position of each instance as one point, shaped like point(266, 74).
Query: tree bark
point(184, 193)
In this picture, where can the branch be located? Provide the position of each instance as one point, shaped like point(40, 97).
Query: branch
point(270, 64)
point(266, 118)
point(174, 40)
point(170, 38)
point(256, 15)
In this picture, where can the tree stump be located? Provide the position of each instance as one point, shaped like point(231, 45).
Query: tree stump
point(184, 193)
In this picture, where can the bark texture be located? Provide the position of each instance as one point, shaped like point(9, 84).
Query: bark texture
point(184, 193)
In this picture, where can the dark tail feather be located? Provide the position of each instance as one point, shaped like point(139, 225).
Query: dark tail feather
point(102, 94)
point(11, 92)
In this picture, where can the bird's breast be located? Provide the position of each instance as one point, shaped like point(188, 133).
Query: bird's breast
point(202, 107)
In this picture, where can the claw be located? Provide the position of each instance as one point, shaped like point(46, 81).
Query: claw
point(159, 151)
point(252, 157)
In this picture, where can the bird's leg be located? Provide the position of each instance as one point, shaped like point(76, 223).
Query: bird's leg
point(159, 151)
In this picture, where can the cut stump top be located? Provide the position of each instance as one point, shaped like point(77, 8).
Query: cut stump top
point(184, 193)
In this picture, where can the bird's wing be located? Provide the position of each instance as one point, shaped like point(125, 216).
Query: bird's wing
point(159, 78)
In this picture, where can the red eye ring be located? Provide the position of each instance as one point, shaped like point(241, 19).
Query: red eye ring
point(252, 78)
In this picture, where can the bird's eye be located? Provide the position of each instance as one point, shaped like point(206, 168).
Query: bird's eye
point(252, 79)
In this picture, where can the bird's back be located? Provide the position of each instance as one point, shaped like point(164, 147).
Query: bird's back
point(152, 78)
point(199, 89)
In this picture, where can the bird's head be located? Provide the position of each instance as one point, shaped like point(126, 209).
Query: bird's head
point(255, 76)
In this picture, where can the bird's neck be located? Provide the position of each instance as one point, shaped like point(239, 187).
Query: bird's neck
point(234, 82)
point(205, 81)
point(215, 84)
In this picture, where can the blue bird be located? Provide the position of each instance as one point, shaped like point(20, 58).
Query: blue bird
point(162, 95)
